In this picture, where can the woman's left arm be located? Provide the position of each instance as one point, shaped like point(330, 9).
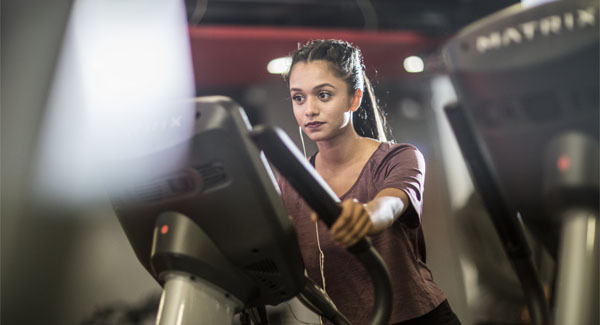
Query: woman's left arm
point(400, 178)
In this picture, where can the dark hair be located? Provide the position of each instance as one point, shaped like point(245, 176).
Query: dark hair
point(347, 63)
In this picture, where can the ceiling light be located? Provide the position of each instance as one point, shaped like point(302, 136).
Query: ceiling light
point(279, 65)
point(413, 64)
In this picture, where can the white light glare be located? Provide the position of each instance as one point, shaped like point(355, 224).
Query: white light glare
point(122, 90)
point(533, 3)
point(279, 65)
point(413, 64)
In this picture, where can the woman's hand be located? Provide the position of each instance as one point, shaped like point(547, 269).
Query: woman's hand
point(353, 223)
point(358, 220)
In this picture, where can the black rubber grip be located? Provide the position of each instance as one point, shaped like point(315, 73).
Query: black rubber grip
point(283, 154)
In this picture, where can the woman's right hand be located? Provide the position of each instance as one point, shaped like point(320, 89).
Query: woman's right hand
point(353, 223)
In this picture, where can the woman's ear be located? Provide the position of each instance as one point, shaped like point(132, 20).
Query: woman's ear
point(356, 98)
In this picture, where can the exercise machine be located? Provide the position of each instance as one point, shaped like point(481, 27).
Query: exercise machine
point(527, 123)
point(213, 230)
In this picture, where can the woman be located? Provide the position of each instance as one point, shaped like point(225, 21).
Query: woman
point(380, 185)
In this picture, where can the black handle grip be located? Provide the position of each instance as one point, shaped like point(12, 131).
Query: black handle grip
point(283, 154)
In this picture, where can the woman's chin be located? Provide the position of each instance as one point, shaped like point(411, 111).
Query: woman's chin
point(320, 137)
point(315, 134)
point(315, 137)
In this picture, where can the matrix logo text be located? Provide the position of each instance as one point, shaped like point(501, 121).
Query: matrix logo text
point(530, 30)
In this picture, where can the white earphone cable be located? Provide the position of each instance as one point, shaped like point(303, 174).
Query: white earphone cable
point(321, 254)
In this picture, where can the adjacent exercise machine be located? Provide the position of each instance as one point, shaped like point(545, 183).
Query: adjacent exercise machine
point(527, 123)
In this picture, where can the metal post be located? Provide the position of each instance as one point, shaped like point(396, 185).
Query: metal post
point(191, 300)
point(577, 288)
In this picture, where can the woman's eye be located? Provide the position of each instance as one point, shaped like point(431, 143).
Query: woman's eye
point(324, 95)
point(298, 98)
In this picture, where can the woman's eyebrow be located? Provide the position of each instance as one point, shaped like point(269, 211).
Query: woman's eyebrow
point(324, 85)
point(319, 86)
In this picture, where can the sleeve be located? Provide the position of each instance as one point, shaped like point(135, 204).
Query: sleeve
point(403, 167)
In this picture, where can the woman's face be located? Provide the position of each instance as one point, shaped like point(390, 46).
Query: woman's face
point(321, 101)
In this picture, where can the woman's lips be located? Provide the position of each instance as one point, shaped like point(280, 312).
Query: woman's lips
point(313, 125)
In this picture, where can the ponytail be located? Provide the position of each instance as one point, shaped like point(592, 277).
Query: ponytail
point(369, 121)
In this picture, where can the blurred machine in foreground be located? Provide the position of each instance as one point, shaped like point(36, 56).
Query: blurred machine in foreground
point(527, 122)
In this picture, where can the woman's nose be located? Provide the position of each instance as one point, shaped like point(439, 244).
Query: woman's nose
point(312, 107)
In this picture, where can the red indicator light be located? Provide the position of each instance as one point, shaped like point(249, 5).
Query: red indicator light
point(164, 229)
point(563, 163)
